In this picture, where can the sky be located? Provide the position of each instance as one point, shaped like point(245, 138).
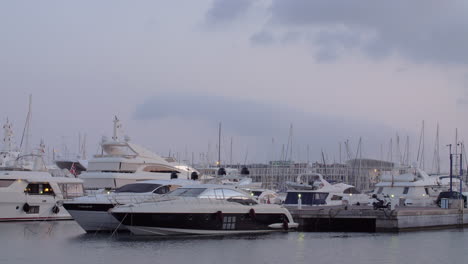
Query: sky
point(173, 70)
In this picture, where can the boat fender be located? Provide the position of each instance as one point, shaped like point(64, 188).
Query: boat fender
point(55, 209)
point(219, 215)
point(252, 213)
point(26, 207)
point(285, 224)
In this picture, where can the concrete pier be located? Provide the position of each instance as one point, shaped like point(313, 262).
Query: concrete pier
point(366, 219)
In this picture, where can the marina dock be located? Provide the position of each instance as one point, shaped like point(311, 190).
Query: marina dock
point(366, 219)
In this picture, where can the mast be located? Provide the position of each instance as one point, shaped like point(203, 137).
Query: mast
point(339, 143)
point(436, 157)
point(398, 152)
point(83, 148)
point(230, 157)
point(219, 146)
point(420, 157)
point(26, 130)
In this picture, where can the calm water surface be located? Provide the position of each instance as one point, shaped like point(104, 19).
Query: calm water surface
point(65, 242)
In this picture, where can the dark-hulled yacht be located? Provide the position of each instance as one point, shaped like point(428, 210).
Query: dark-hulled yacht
point(204, 209)
point(91, 212)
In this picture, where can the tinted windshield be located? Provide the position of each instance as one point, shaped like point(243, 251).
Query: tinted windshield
point(187, 192)
point(256, 193)
point(137, 188)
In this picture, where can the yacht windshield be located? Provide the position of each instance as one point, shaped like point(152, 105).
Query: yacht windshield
point(138, 188)
point(256, 193)
point(187, 192)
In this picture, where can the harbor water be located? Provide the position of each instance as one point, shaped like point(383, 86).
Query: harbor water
point(66, 242)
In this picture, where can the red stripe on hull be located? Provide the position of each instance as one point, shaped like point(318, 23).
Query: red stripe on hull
point(34, 219)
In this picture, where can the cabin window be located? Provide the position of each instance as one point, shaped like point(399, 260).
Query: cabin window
point(138, 188)
point(228, 193)
point(39, 189)
point(70, 190)
point(336, 197)
point(208, 194)
point(6, 183)
point(229, 222)
point(256, 193)
point(405, 190)
point(188, 192)
point(427, 191)
point(307, 198)
point(162, 190)
point(379, 191)
point(33, 209)
point(351, 190)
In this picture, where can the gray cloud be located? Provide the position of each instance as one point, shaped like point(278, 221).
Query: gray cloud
point(262, 37)
point(425, 31)
point(224, 11)
point(263, 121)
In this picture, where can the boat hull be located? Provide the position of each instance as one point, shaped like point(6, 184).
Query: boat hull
point(94, 217)
point(13, 211)
point(216, 223)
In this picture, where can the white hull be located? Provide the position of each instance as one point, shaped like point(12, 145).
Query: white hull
point(92, 221)
point(159, 231)
point(13, 211)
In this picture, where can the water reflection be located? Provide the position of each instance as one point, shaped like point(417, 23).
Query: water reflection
point(66, 242)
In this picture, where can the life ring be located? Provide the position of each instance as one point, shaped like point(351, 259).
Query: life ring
point(26, 207)
point(252, 213)
point(55, 209)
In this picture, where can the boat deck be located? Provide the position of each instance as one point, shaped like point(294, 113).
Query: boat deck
point(366, 219)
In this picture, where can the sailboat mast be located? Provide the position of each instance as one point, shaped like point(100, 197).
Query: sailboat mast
point(219, 146)
point(26, 130)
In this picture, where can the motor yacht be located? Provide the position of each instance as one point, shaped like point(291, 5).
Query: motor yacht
point(28, 191)
point(35, 194)
point(206, 209)
point(414, 186)
point(122, 162)
point(313, 189)
point(91, 211)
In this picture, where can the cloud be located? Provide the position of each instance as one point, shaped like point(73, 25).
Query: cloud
point(424, 31)
point(262, 121)
point(225, 11)
point(262, 38)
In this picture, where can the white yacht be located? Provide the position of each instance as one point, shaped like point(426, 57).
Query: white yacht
point(205, 209)
point(91, 212)
point(414, 186)
point(313, 189)
point(27, 190)
point(122, 162)
point(27, 195)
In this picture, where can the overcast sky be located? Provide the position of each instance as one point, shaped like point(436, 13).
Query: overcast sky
point(172, 70)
